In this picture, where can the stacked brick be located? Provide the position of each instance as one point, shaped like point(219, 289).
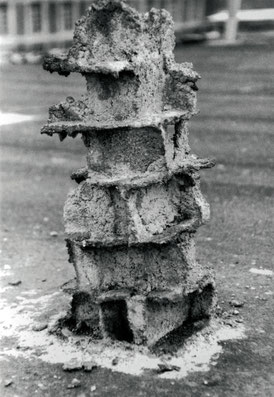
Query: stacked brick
point(130, 222)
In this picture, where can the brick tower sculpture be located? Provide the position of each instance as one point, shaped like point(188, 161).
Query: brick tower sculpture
point(130, 223)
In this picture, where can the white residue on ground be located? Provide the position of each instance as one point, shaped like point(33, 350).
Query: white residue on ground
point(17, 321)
point(5, 272)
point(263, 272)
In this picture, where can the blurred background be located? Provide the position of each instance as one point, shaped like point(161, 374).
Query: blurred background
point(38, 25)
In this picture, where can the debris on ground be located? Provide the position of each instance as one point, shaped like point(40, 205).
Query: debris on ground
point(74, 383)
point(236, 303)
point(72, 365)
point(39, 327)
point(41, 386)
point(115, 361)
point(88, 366)
point(22, 348)
point(76, 365)
point(165, 367)
point(15, 283)
point(92, 388)
point(66, 333)
point(230, 322)
point(213, 380)
point(53, 234)
point(8, 382)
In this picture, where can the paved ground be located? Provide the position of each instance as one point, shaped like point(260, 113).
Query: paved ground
point(235, 125)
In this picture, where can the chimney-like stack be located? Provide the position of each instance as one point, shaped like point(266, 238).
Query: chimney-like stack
point(131, 221)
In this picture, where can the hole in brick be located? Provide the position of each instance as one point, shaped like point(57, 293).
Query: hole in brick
point(115, 320)
point(84, 315)
point(202, 303)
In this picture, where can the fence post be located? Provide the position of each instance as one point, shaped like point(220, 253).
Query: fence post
point(231, 27)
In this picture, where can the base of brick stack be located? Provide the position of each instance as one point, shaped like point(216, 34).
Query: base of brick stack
point(121, 316)
point(167, 296)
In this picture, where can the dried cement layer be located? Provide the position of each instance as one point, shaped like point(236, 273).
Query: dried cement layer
point(128, 62)
point(128, 151)
point(102, 214)
point(130, 97)
point(141, 268)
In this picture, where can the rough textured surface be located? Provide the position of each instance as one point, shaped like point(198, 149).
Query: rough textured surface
point(144, 270)
point(130, 223)
point(100, 214)
point(127, 59)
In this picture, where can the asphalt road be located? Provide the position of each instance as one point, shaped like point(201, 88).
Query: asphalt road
point(235, 125)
